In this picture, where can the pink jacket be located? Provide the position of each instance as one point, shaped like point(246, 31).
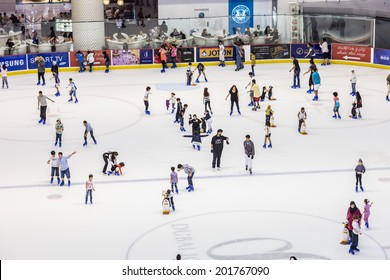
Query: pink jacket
point(350, 217)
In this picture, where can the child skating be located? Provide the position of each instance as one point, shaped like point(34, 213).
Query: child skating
point(310, 70)
point(267, 136)
point(302, 116)
point(55, 167)
point(189, 74)
point(173, 179)
point(221, 54)
point(359, 170)
point(64, 167)
point(59, 130)
point(336, 106)
point(353, 111)
point(207, 118)
point(116, 169)
point(356, 231)
point(249, 85)
point(56, 83)
point(89, 188)
point(146, 100)
point(163, 58)
point(367, 211)
point(388, 87)
point(359, 104)
point(181, 117)
point(201, 71)
point(316, 82)
point(72, 91)
point(249, 149)
point(168, 195)
point(171, 101)
point(256, 95)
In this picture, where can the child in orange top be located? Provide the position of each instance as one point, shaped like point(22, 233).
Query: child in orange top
point(116, 169)
point(163, 58)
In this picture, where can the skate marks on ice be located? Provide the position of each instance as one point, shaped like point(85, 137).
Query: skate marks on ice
point(261, 235)
point(208, 177)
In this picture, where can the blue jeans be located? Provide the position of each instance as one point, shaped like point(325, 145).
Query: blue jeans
point(173, 61)
point(58, 138)
point(253, 69)
point(353, 87)
point(297, 81)
point(181, 120)
point(189, 179)
point(89, 192)
point(66, 173)
point(81, 65)
point(238, 62)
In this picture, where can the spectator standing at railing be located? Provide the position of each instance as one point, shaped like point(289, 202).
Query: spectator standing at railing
point(107, 62)
point(164, 27)
point(52, 39)
point(90, 59)
point(22, 20)
point(325, 52)
point(80, 59)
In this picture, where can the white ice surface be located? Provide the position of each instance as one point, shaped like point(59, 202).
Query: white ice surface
point(293, 204)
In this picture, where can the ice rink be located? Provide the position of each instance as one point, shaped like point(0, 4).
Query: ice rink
point(293, 204)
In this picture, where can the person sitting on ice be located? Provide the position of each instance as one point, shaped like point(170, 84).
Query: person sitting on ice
point(116, 169)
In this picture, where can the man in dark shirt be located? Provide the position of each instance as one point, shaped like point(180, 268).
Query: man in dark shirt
point(217, 147)
point(195, 122)
point(297, 72)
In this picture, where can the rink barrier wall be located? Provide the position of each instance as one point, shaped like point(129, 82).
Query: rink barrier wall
point(353, 55)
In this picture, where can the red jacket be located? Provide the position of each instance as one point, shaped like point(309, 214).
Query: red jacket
point(351, 215)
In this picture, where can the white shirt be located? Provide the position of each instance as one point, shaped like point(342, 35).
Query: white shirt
point(3, 72)
point(302, 116)
point(356, 227)
point(324, 47)
point(221, 50)
point(266, 130)
point(89, 185)
point(146, 95)
point(172, 100)
point(90, 58)
point(353, 78)
point(72, 86)
point(55, 161)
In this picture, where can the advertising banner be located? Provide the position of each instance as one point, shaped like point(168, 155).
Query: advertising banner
point(240, 15)
point(351, 52)
point(301, 50)
point(125, 57)
point(14, 62)
point(271, 51)
point(212, 54)
point(62, 59)
point(382, 56)
point(183, 55)
point(146, 56)
point(99, 58)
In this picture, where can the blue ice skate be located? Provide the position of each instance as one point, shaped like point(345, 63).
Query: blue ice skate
point(58, 181)
point(197, 81)
point(366, 224)
point(51, 181)
point(69, 183)
point(43, 84)
point(206, 80)
point(270, 146)
point(62, 183)
point(198, 146)
point(85, 143)
point(351, 251)
point(147, 112)
point(265, 146)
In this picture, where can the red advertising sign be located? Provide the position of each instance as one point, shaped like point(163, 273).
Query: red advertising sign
point(99, 59)
point(351, 52)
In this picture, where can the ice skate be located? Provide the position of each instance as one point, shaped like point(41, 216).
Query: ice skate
point(265, 146)
point(51, 181)
point(162, 70)
point(85, 143)
point(40, 121)
point(206, 80)
point(43, 84)
point(58, 181)
point(69, 183)
point(197, 81)
point(246, 167)
point(270, 146)
point(361, 188)
point(39, 82)
point(366, 224)
point(351, 252)
point(387, 98)
point(193, 146)
point(76, 101)
point(70, 100)
point(62, 183)
point(57, 94)
point(356, 189)
point(147, 112)
point(250, 171)
point(198, 147)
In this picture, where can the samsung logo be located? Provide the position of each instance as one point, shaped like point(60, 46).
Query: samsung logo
point(11, 63)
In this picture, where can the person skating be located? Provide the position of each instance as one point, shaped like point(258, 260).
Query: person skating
point(359, 170)
point(359, 104)
point(173, 179)
point(351, 213)
point(296, 70)
point(181, 117)
point(80, 60)
point(302, 116)
point(253, 62)
point(206, 100)
point(190, 171)
point(207, 118)
point(59, 127)
point(201, 70)
point(107, 62)
point(238, 56)
point(195, 123)
point(42, 106)
point(4, 78)
point(388, 87)
point(353, 80)
point(268, 113)
point(367, 211)
point(88, 129)
point(189, 74)
point(64, 167)
point(89, 188)
point(317, 83)
point(116, 169)
point(221, 54)
point(267, 135)
point(168, 194)
point(72, 92)
point(336, 106)
point(256, 95)
point(171, 101)
point(55, 167)
point(109, 157)
point(353, 111)
point(146, 100)
point(163, 58)
point(90, 59)
point(173, 51)
point(217, 148)
point(310, 70)
point(249, 149)
point(40, 62)
point(249, 85)
point(325, 52)
point(56, 83)
point(356, 231)
point(234, 99)
point(179, 108)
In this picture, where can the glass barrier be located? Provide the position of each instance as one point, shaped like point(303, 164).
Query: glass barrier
point(128, 32)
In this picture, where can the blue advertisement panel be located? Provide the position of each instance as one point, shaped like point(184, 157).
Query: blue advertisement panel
point(14, 62)
point(301, 50)
point(62, 59)
point(382, 56)
point(146, 56)
point(240, 15)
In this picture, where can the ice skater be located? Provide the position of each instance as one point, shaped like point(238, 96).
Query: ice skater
point(173, 51)
point(249, 149)
point(217, 148)
point(189, 74)
point(55, 167)
point(234, 99)
point(181, 117)
point(238, 56)
point(109, 157)
point(316, 82)
point(253, 62)
point(40, 62)
point(163, 57)
point(356, 231)
point(56, 78)
point(42, 106)
point(302, 116)
point(336, 106)
point(64, 167)
point(353, 80)
point(195, 123)
point(267, 135)
point(4, 78)
point(359, 104)
point(249, 85)
point(367, 212)
point(89, 188)
point(80, 60)
point(207, 118)
point(116, 169)
point(59, 127)
point(88, 129)
point(90, 59)
point(72, 92)
point(168, 194)
point(173, 179)
point(256, 95)
point(388, 87)
point(196, 139)
point(359, 170)
point(325, 52)
point(146, 100)
point(171, 101)
point(351, 213)
point(206, 99)
point(296, 70)
point(221, 54)
point(311, 53)
point(201, 71)
point(107, 62)
point(310, 70)
point(179, 108)
point(190, 171)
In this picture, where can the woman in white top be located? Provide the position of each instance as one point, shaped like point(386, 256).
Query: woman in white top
point(325, 52)
point(89, 188)
point(267, 131)
point(90, 59)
